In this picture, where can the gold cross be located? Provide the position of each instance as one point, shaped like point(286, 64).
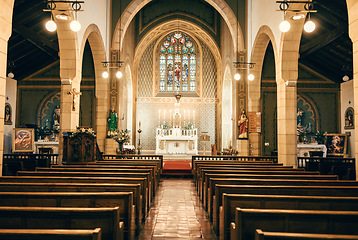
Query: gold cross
point(74, 93)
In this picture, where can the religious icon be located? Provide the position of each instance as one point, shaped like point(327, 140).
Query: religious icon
point(8, 114)
point(349, 118)
point(23, 140)
point(177, 72)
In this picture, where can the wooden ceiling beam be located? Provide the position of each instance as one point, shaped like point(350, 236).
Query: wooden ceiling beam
point(320, 42)
point(39, 41)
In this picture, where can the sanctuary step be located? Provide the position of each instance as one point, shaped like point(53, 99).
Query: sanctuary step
point(177, 168)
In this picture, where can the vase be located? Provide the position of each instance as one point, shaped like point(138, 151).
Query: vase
point(120, 148)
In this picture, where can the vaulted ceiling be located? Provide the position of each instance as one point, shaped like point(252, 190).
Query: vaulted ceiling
point(327, 51)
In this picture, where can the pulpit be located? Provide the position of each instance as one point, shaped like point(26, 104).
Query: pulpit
point(80, 148)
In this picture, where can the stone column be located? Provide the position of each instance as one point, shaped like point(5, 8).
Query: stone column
point(5, 33)
point(352, 6)
point(287, 123)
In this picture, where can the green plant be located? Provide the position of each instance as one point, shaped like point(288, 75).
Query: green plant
point(165, 125)
point(320, 137)
point(188, 126)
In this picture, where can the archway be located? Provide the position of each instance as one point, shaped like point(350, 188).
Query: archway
point(93, 35)
point(227, 124)
point(220, 5)
point(263, 38)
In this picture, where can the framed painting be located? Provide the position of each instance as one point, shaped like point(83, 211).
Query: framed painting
point(8, 114)
point(23, 140)
point(336, 144)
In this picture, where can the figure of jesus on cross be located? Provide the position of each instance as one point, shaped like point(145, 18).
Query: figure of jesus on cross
point(74, 93)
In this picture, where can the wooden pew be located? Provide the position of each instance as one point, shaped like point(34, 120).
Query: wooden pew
point(204, 170)
point(41, 179)
point(301, 221)
point(63, 218)
point(155, 169)
point(232, 201)
point(123, 200)
point(95, 174)
point(207, 176)
point(87, 187)
point(50, 234)
point(151, 178)
point(276, 182)
point(263, 235)
point(202, 179)
point(334, 191)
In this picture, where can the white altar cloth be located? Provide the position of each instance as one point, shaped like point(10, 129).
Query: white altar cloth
point(304, 149)
point(176, 141)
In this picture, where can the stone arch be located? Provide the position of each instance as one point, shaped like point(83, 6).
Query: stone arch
point(227, 109)
point(286, 79)
point(263, 38)
point(220, 5)
point(95, 40)
point(130, 101)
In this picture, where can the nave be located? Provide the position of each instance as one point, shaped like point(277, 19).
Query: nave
point(176, 213)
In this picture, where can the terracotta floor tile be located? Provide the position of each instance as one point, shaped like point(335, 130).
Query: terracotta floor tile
point(177, 214)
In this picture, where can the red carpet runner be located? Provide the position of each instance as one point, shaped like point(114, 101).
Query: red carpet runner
point(177, 168)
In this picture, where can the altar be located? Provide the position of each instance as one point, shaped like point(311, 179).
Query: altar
point(303, 150)
point(176, 141)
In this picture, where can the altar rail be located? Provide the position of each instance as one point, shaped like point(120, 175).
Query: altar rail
point(135, 156)
point(343, 167)
point(26, 162)
point(235, 158)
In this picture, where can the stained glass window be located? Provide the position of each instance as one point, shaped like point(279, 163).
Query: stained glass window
point(177, 63)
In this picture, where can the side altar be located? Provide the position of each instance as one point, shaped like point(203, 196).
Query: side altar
point(175, 141)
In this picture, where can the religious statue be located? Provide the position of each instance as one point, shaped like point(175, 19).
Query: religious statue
point(299, 117)
point(56, 116)
point(243, 124)
point(112, 121)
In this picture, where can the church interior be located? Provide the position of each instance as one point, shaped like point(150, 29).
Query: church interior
point(195, 119)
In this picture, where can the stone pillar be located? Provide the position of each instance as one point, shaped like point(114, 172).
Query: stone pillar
point(352, 6)
point(70, 106)
point(287, 123)
point(5, 33)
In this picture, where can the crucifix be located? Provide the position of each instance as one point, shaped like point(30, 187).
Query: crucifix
point(74, 93)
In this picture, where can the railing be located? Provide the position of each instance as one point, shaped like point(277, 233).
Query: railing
point(135, 156)
point(236, 158)
point(24, 161)
point(343, 167)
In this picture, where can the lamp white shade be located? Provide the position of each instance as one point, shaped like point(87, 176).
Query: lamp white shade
point(309, 26)
point(119, 74)
point(345, 78)
point(285, 26)
point(251, 77)
point(105, 74)
point(237, 76)
point(75, 26)
point(51, 26)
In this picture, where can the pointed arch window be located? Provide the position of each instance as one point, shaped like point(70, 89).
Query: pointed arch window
point(177, 63)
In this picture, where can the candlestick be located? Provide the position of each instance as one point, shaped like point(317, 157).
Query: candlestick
point(159, 116)
point(170, 117)
point(189, 116)
point(139, 124)
point(164, 114)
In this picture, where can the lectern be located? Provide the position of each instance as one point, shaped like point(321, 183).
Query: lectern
point(78, 149)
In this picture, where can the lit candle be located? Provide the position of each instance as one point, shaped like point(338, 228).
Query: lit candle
point(194, 117)
point(184, 115)
point(139, 124)
point(189, 116)
point(164, 114)
point(170, 116)
point(159, 115)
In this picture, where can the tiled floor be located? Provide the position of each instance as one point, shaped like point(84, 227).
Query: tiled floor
point(176, 213)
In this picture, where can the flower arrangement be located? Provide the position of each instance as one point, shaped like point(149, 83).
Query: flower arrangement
point(188, 126)
point(320, 137)
point(121, 136)
point(83, 130)
point(164, 125)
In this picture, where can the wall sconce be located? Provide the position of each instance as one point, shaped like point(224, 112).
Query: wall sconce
point(177, 97)
point(75, 7)
point(243, 66)
point(308, 7)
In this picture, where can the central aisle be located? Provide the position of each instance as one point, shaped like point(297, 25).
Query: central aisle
point(176, 213)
